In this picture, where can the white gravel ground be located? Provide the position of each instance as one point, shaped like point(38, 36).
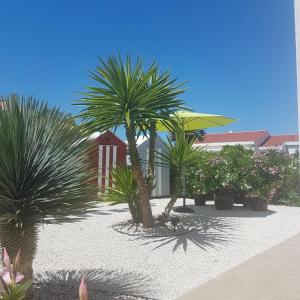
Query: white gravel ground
point(161, 268)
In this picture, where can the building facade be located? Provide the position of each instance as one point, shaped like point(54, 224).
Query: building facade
point(255, 140)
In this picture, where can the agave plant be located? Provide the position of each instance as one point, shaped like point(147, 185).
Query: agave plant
point(44, 174)
point(128, 96)
point(124, 190)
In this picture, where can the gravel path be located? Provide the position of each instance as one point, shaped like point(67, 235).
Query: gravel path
point(130, 267)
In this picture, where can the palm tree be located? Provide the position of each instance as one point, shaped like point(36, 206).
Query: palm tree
point(44, 174)
point(128, 96)
point(180, 155)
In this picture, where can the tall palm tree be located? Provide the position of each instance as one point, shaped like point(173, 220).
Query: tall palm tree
point(180, 155)
point(44, 174)
point(128, 96)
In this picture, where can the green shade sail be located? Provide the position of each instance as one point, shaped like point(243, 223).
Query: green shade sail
point(194, 121)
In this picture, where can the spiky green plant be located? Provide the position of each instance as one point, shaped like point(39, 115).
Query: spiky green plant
point(124, 190)
point(180, 155)
point(44, 173)
point(128, 96)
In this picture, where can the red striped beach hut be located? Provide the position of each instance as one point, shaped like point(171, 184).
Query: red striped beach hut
point(109, 152)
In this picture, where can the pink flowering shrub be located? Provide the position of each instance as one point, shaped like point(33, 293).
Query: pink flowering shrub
point(273, 173)
point(270, 174)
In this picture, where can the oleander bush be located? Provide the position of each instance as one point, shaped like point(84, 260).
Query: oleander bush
point(272, 175)
point(201, 176)
point(276, 176)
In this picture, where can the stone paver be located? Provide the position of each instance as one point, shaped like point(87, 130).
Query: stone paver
point(271, 275)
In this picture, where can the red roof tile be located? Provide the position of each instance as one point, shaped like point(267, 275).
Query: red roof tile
point(243, 136)
point(278, 140)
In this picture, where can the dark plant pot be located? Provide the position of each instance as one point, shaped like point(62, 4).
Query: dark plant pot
point(238, 197)
point(256, 203)
point(200, 199)
point(223, 201)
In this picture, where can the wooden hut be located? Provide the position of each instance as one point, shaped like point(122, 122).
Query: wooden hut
point(108, 152)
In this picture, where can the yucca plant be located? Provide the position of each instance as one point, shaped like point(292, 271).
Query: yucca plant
point(44, 174)
point(124, 190)
point(128, 96)
point(180, 155)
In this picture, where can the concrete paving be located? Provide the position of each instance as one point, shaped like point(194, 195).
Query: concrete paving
point(271, 275)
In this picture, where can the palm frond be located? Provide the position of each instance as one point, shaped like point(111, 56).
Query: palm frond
point(127, 94)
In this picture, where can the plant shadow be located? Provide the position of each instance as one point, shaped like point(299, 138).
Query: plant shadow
point(207, 232)
point(211, 228)
point(102, 284)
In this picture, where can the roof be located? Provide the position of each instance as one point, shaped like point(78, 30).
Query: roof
point(278, 140)
point(227, 137)
point(108, 138)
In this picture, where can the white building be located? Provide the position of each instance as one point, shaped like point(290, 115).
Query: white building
point(254, 140)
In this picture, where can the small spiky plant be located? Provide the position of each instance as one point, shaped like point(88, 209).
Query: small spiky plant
point(124, 189)
point(44, 174)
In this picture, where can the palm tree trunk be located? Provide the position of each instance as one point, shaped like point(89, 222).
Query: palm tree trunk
point(25, 240)
point(151, 162)
point(174, 195)
point(144, 195)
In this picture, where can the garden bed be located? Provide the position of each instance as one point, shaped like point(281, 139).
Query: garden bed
point(160, 267)
point(159, 230)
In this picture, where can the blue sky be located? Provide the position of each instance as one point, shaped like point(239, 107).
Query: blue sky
point(238, 56)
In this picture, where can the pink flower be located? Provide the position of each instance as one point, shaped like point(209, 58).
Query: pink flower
point(7, 278)
point(83, 293)
point(6, 259)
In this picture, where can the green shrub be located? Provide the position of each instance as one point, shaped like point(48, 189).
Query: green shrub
point(201, 176)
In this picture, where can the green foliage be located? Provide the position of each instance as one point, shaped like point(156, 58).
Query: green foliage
point(128, 95)
point(201, 175)
point(125, 190)
point(43, 164)
point(271, 174)
point(234, 167)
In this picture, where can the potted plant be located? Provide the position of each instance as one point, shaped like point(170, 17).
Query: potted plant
point(256, 201)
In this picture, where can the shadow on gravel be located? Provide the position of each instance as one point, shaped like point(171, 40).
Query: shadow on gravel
point(211, 228)
point(102, 284)
point(208, 232)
